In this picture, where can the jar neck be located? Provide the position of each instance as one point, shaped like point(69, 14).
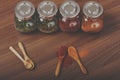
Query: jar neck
point(92, 19)
point(48, 18)
point(69, 18)
point(24, 18)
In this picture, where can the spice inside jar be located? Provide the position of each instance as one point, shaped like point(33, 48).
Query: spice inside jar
point(25, 17)
point(93, 17)
point(69, 20)
point(47, 22)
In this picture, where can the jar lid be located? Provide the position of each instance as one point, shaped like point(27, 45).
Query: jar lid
point(47, 9)
point(92, 9)
point(69, 9)
point(24, 9)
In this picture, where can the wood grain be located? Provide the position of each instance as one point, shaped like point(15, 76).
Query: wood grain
point(103, 62)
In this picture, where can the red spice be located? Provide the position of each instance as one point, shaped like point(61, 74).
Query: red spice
point(69, 25)
point(67, 61)
point(63, 51)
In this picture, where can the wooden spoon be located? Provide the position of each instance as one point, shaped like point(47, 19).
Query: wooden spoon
point(57, 71)
point(26, 64)
point(62, 52)
point(72, 52)
point(27, 59)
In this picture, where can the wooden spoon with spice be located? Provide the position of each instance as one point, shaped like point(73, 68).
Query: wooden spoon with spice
point(72, 52)
point(61, 55)
point(26, 64)
point(27, 59)
point(57, 71)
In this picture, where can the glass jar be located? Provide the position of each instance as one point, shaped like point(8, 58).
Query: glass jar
point(69, 20)
point(25, 18)
point(48, 22)
point(93, 17)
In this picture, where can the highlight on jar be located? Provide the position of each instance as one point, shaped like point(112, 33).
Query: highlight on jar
point(25, 17)
point(48, 22)
point(69, 19)
point(93, 17)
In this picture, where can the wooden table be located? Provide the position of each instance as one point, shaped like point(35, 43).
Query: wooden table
point(102, 63)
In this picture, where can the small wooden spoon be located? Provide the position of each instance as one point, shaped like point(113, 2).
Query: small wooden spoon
point(26, 64)
point(27, 59)
point(72, 52)
point(57, 71)
point(62, 52)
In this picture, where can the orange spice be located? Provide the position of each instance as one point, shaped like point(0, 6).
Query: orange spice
point(83, 53)
point(92, 25)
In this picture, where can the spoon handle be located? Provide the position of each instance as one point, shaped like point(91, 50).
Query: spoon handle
point(58, 68)
point(84, 70)
point(16, 53)
point(21, 46)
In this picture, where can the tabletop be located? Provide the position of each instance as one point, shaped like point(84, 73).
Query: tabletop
point(102, 62)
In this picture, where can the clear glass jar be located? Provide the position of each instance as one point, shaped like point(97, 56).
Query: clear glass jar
point(48, 22)
point(93, 17)
point(25, 17)
point(69, 20)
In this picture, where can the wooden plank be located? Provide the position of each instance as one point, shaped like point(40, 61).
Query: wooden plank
point(103, 62)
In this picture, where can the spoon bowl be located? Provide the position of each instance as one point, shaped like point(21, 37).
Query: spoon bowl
point(29, 64)
point(72, 52)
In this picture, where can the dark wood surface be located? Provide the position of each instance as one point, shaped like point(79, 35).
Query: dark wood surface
point(102, 63)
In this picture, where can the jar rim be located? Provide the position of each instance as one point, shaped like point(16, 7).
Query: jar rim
point(69, 9)
point(92, 9)
point(47, 9)
point(24, 9)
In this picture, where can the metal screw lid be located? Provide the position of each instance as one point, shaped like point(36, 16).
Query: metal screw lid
point(24, 9)
point(69, 9)
point(92, 9)
point(47, 9)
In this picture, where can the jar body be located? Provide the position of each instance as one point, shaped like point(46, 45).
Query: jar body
point(26, 25)
point(69, 24)
point(48, 25)
point(92, 24)
point(47, 11)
